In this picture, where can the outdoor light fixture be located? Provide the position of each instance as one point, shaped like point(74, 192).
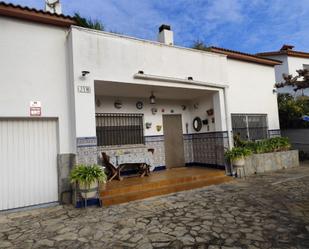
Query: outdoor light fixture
point(274, 90)
point(190, 78)
point(141, 72)
point(152, 99)
point(84, 73)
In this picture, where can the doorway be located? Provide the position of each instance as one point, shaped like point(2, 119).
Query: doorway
point(173, 141)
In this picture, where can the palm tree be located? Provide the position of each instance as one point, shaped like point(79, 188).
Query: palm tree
point(88, 23)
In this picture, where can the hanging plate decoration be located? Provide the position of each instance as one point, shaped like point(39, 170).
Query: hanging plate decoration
point(118, 104)
point(139, 105)
point(197, 124)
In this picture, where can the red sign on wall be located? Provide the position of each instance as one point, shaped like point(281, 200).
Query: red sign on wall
point(35, 109)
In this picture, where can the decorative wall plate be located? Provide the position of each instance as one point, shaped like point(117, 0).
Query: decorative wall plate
point(139, 105)
point(118, 104)
point(154, 110)
point(197, 124)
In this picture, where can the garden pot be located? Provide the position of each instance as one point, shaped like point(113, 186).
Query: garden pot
point(239, 162)
point(89, 191)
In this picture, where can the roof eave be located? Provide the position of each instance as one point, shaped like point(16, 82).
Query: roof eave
point(248, 58)
point(40, 17)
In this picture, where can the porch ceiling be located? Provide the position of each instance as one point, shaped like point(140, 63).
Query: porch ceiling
point(144, 91)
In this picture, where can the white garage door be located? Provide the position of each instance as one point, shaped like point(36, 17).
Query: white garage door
point(28, 162)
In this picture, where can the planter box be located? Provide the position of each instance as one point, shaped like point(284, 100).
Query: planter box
point(260, 163)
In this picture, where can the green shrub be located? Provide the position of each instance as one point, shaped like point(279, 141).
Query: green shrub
point(267, 145)
point(87, 174)
point(237, 153)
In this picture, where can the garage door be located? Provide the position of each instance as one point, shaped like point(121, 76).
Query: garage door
point(28, 162)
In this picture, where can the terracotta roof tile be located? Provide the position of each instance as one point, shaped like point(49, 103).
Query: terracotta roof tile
point(244, 56)
point(31, 14)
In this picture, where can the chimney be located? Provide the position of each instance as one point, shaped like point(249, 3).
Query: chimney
point(166, 35)
point(53, 6)
point(286, 47)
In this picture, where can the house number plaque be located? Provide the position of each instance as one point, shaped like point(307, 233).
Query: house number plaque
point(84, 89)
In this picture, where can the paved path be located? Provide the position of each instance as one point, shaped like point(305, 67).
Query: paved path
point(266, 211)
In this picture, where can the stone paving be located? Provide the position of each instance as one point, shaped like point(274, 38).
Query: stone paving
point(264, 211)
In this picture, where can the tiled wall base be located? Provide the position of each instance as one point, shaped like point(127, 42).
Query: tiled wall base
point(274, 133)
point(200, 148)
point(87, 152)
point(205, 148)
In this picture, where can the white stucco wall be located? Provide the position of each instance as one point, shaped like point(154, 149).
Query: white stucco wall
point(129, 106)
point(289, 66)
point(251, 90)
point(34, 67)
point(114, 58)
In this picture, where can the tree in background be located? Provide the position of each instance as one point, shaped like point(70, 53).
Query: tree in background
point(291, 111)
point(88, 23)
point(200, 45)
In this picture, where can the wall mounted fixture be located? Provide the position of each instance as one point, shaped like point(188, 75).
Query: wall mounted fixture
point(84, 73)
point(190, 78)
point(141, 72)
point(275, 90)
point(152, 99)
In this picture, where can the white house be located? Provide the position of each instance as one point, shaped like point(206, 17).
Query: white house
point(68, 93)
point(292, 60)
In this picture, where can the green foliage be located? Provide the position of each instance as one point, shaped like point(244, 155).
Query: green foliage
point(88, 23)
point(291, 111)
point(269, 145)
point(200, 45)
point(245, 148)
point(87, 174)
point(237, 153)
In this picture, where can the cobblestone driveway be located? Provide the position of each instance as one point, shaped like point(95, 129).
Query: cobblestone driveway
point(269, 211)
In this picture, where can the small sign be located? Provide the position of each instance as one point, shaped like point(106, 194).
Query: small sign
point(35, 109)
point(84, 89)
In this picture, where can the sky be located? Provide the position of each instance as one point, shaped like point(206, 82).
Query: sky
point(245, 25)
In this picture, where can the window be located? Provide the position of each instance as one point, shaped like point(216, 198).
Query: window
point(250, 126)
point(119, 129)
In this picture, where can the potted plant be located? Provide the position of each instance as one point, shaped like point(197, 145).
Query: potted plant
point(88, 178)
point(237, 155)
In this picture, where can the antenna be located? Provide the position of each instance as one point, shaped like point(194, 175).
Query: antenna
point(53, 6)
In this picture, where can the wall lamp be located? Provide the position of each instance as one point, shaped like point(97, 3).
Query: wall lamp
point(84, 73)
point(152, 99)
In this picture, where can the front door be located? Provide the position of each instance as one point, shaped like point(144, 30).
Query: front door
point(173, 141)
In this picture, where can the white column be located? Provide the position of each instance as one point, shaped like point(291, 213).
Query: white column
point(219, 110)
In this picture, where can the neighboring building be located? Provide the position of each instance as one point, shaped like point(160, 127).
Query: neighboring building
point(69, 93)
point(291, 61)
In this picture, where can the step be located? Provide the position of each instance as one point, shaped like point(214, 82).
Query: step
point(138, 195)
point(149, 184)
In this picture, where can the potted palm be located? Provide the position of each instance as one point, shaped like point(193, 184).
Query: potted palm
point(88, 178)
point(237, 156)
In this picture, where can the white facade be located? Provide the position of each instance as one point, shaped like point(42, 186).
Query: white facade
point(290, 65)
point(45, 63)
point(34, 67)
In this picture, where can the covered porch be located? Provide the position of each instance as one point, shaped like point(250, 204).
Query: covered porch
point(184, 126)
